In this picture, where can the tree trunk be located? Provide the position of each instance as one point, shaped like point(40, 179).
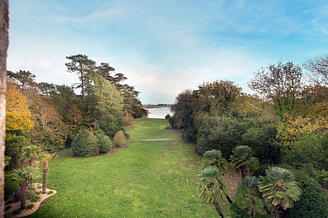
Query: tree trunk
point(243, 172)
point(31, 163)
point(274, 211)
point(24, 187)
point(4, 23)
point(218, 209)
point(45, 174)
point(228, 198)
point(82, 82)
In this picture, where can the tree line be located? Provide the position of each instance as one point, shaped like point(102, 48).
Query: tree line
point(50, 116)
point(285, 124)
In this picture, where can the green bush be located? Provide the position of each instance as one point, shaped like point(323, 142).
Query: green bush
point(223, 133)
point(18, 211)
point(308, 149)
point(31, 194)
point(168, 116)
point(85, 144)
point(313, 203)
point(30, 206)
point(260, 140)
point(119, 139)
point(36, 198)
point(104, 142)
point(14, 148)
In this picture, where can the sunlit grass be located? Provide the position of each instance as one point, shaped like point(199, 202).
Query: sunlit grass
point(146, 179)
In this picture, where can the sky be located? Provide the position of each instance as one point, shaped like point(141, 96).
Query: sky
point(165, 46)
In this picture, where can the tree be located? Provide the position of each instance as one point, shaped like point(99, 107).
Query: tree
point(281, 84)
point(49, 132)
point(318, 70)
point(212, 188)
point(24, 176)
point(18, 117)
point(30, 153)
point(66, 104)
point(108, 105)
point(45, 88)
point(4, 24)
point(24, 78)
point(179, 109)
point(214, 158)
point(44, 157)
point(280, 188)
point(105, 70)
point(243, 160)
point(248, 197)
point(83, 66)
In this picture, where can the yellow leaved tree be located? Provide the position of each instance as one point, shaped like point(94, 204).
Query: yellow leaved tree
point(18, 117)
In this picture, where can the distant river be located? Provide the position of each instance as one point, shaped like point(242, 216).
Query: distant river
point(159, 112)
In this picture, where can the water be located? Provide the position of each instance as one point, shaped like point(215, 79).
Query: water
point(159, 112)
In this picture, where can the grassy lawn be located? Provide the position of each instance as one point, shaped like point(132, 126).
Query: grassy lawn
point(146, 179)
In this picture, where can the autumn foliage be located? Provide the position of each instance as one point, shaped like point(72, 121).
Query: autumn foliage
point(18, 117)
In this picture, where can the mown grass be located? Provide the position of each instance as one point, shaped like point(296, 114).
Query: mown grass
point(146, 179)
point(150, 128)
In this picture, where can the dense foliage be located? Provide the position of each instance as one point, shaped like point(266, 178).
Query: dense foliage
point(285, 122)
point(49, 115)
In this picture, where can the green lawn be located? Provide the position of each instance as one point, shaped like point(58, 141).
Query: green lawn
point(146, 179)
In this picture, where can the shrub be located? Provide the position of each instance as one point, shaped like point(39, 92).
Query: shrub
point(18, 211)
point(85, 144)
point(260, 140)
point(36, 198)
point(104, 142)
point(39, 186)
point(119, 139)
point(14, 148)
point(50, 192)
point(308, 149)
point(168, 116)
point(312, 203)
point(31, 194)
point(30, 206)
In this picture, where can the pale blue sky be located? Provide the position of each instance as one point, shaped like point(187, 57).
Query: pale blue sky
point(165, 46)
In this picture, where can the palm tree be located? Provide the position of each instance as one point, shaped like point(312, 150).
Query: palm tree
point(214, 158)
point(243, 160)
point(24, 176)
point(248, 197)
point(212, 188)
point(29, 153)
point(280, 188)
point(44, 157)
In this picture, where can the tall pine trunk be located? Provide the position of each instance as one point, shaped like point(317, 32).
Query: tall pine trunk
point(45, 174)
point(218, 208)
point(4, 23)
point(24, 187)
